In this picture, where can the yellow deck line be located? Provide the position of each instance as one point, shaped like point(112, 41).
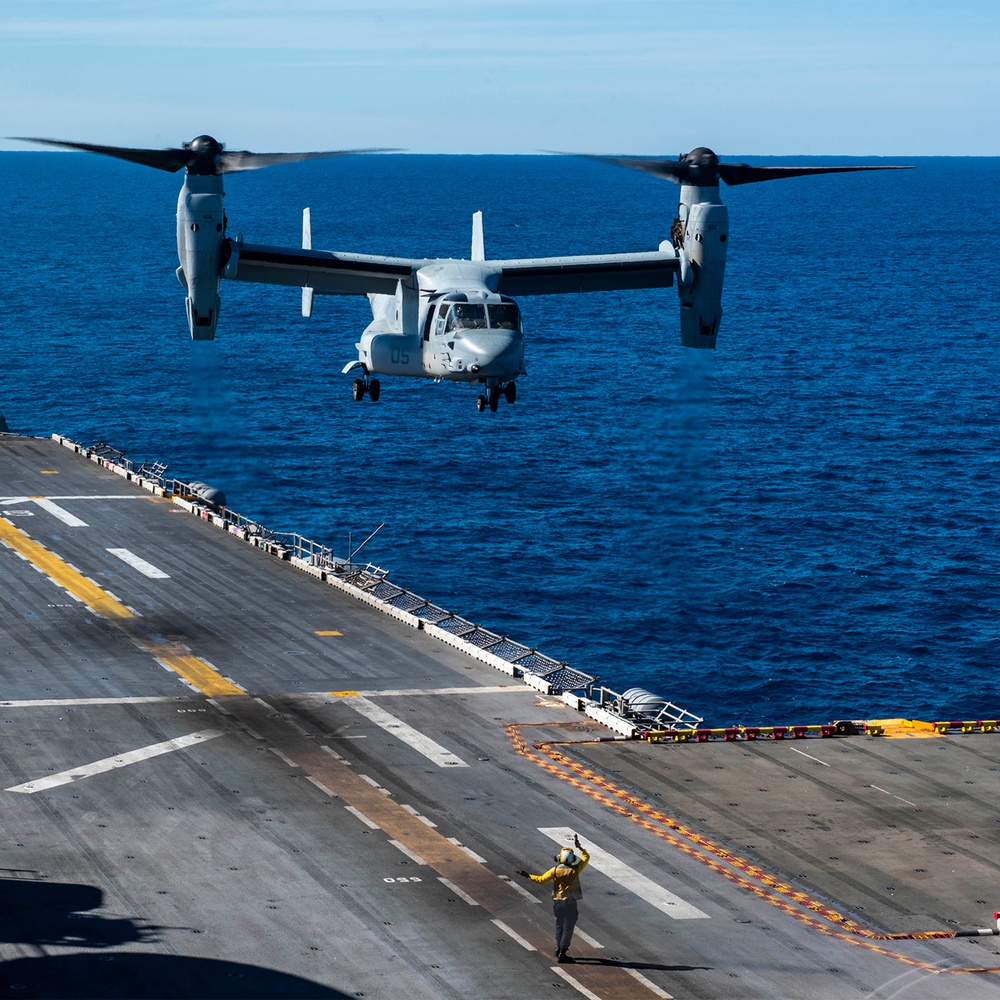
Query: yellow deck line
point(200, 674)
point(191, 668)
point(63, 574)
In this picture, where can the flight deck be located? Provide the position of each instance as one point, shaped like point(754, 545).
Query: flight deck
point(226, 775)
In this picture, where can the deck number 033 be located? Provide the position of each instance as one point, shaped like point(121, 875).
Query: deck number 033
point(414, 879)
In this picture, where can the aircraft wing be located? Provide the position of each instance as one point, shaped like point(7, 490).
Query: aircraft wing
point(595, 273)
point(327, 272)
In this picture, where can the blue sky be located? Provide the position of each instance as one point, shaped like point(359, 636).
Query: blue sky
point(881, 77)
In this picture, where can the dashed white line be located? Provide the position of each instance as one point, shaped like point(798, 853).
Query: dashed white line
point(140, 564)
point(519, 888)
point(434, 752)
point(648, 983)
point(579, 987)
point(71, 520)
point(468, 850)
point(511, 933)
point(423, 819)
point(361, 816)
point(628, 878)
point(413, 857)
point(319, 784)
point(280, 755)
point(110, 763)
point(371, 781)
point(458, 892)
point(586, 937)
point(810, 756)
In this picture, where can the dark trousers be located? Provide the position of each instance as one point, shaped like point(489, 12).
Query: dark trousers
point(566, 914)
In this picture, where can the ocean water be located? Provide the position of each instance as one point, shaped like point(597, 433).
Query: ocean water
point(797, 527)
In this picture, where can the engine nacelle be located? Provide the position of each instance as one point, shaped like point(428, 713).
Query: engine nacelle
point(703, 264)
point(201, 228)
point(391, 353)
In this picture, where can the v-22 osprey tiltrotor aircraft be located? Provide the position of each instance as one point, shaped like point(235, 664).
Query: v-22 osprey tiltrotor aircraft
point(450, 320)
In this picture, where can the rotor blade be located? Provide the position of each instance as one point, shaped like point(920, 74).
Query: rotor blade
point(231, 162)
point(170, 160)
point(672, 170)
point(743, 173)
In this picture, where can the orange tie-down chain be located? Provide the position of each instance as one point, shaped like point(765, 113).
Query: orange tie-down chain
point(746, 875)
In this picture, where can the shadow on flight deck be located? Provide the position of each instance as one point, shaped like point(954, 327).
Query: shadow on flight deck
point(54, 914)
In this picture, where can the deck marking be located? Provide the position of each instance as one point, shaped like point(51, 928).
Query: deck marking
point(648, 983)
point(413, 812)
point(329, 632)
point(110, 763)
point(413, 857)
point(74, 702)
point(890, 794)
point(62, 573)
point(586, 937)
point(60, 512)
point(461, 893)
point(361, 816)
point(416, 692)
point(628, 878)
point(319, 784)
point(810, 756)
point(519, 888)
point(579, 987)
point(511, 933)
point(136, 562)
point(468, 850)
point(197, 672)
point(434, 752)
point(281, 756)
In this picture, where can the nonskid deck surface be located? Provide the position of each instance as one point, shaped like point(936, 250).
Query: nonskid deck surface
point(224, 778)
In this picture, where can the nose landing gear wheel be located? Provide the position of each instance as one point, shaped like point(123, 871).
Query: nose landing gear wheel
point(374, 390)
point(359, 390)
point(480, 403)
point(494, 399)
point(510, 392)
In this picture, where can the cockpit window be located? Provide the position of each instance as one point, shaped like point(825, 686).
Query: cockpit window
point(505, 317)
point(466, 317)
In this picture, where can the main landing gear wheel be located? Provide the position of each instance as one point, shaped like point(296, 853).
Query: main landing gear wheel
point(491, 397)
point(371, 387)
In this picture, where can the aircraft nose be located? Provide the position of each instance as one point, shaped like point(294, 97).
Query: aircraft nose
point(493, 352)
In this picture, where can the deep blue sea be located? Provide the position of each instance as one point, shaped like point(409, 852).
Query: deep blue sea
point(797, 527)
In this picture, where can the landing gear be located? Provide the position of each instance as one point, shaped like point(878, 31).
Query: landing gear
point(491, 397)
point(365, 385)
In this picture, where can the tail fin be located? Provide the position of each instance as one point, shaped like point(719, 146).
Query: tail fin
point(307, 242)
point(478, 246)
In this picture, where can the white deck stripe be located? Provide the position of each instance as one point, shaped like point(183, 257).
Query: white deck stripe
point(458, 892)
point(586, 937)
point(413, 857)
point(468, 850)
point(434, 752)
point(136, 562)
point(414, 692)
point(628, 878)
point(519, 888)
point(648, 983)
point(71, 702)
point(511, 933)
point(361, 816)
point(64, 515)
point(110, 763)
point(82, 496)
point(579, 987)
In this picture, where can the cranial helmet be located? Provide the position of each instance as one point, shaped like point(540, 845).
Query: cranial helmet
point(568, 857)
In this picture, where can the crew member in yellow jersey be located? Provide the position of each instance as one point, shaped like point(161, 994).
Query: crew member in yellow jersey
point(565, 879)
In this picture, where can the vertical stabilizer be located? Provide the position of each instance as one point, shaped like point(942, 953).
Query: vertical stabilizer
point(478, 245)
point(307, 243)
